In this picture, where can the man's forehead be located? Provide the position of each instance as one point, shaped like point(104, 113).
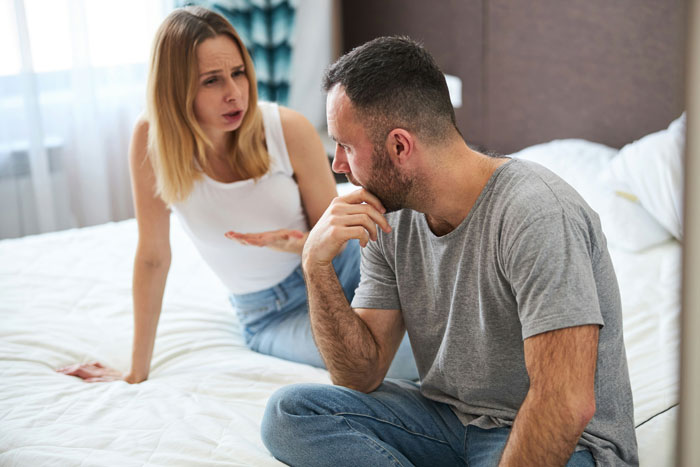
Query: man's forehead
point(337, 101)
point(339, 111)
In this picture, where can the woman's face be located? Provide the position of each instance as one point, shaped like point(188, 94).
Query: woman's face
point(222, 95)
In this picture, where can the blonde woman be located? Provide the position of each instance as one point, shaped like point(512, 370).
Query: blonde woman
point(239, 175)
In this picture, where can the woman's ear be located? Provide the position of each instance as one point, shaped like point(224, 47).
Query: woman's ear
point(400, 144)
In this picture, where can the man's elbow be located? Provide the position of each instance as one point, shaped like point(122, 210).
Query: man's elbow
point(583, 409)
point(365, 382)
point(365, 388)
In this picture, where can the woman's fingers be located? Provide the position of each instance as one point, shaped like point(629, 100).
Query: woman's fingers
point(272, 238)
point(66, 370)
point(88, 371)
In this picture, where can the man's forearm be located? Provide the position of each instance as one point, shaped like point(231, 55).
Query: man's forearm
point(544, 433)
point(344, 340)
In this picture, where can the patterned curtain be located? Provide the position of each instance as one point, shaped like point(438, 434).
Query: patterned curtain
point(266, 28)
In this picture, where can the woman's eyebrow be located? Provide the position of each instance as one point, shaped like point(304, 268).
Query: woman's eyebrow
point(218, 70)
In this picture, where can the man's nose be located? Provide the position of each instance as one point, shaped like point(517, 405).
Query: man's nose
point(340, 164)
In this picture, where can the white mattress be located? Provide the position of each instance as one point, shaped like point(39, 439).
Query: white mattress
point(650, 290)
point(66, 297)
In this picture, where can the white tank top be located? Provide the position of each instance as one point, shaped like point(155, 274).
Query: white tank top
point(247, 206)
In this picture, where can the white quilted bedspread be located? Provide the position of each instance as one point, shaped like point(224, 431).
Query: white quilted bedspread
point(66, 297)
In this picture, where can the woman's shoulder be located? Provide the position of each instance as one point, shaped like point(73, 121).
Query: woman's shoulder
point(294, 125)
point(141, 125)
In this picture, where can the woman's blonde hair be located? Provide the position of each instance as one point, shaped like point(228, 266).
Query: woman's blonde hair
point(175, 138)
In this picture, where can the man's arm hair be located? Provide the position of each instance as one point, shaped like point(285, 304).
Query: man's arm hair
point(561, 365)
point(357, 347)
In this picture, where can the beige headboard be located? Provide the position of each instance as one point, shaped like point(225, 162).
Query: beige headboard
point(533, 71)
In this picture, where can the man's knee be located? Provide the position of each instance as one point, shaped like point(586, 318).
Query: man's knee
point(281, 428)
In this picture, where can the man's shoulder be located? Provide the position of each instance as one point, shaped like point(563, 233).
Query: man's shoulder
point(529, 190)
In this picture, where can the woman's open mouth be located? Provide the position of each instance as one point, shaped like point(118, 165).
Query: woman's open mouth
point(232, 117)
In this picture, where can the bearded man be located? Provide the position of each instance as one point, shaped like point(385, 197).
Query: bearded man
point(495, 267)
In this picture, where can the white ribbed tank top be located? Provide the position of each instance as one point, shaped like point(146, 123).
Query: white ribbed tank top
point(247, 206)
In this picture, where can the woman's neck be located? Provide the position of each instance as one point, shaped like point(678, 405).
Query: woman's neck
point(217, 156)
point(220, 146)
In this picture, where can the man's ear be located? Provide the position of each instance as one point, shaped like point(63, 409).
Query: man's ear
point(401, 145)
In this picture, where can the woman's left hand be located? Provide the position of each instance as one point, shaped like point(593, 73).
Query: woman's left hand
point(93, 372)
point(286, 240)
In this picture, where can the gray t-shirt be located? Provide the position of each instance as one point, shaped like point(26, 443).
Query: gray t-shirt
point(530, 257)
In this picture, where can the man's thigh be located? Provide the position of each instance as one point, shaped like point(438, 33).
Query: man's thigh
point(339, 423)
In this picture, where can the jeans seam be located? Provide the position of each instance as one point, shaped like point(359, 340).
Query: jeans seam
point(464, 445)
point(376, 445)
point(341, 414)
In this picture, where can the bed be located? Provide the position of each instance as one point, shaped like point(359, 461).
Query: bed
point(65, 298)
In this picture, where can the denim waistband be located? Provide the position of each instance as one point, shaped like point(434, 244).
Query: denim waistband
point(280, 291)
point(349, 258)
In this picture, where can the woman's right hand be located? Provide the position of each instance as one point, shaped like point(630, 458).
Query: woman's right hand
point(285, 240)
point(96, 372)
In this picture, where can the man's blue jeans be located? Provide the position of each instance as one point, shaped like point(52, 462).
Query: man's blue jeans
point(320, 425)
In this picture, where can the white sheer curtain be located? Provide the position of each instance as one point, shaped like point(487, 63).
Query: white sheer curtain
point(72, 84)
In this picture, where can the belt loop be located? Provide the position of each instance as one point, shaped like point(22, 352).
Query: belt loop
point(281, 296)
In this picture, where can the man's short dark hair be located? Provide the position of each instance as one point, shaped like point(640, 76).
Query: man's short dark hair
point(393, 82)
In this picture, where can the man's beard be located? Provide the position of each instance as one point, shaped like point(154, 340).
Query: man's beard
point(386, 182)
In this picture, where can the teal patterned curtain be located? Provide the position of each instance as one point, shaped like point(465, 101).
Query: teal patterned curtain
point(266, 28)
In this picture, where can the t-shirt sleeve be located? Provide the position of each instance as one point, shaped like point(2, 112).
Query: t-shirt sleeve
point(378, 288)
point(550, 267)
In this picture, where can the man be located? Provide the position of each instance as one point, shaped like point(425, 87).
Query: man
point(497, 269)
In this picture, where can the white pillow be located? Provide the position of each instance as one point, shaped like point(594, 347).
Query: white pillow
point(626, 224)
point(651, 169)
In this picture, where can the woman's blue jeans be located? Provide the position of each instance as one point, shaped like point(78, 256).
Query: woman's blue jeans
point(321, 425)
point(276, 320)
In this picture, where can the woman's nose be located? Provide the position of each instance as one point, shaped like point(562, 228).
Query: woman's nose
point(233, 91)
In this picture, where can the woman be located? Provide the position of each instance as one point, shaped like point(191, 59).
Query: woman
point(225, 164)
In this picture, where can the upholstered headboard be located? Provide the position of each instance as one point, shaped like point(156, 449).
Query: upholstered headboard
point(605, 71)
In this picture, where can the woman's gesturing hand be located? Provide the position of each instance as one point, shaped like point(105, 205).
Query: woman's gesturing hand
point(355, 215)
point(286, 240)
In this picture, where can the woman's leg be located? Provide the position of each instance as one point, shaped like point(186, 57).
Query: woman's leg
point(290, 338)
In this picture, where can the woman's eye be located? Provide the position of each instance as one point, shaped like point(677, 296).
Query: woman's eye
point(238, 73)
point(210, 81)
